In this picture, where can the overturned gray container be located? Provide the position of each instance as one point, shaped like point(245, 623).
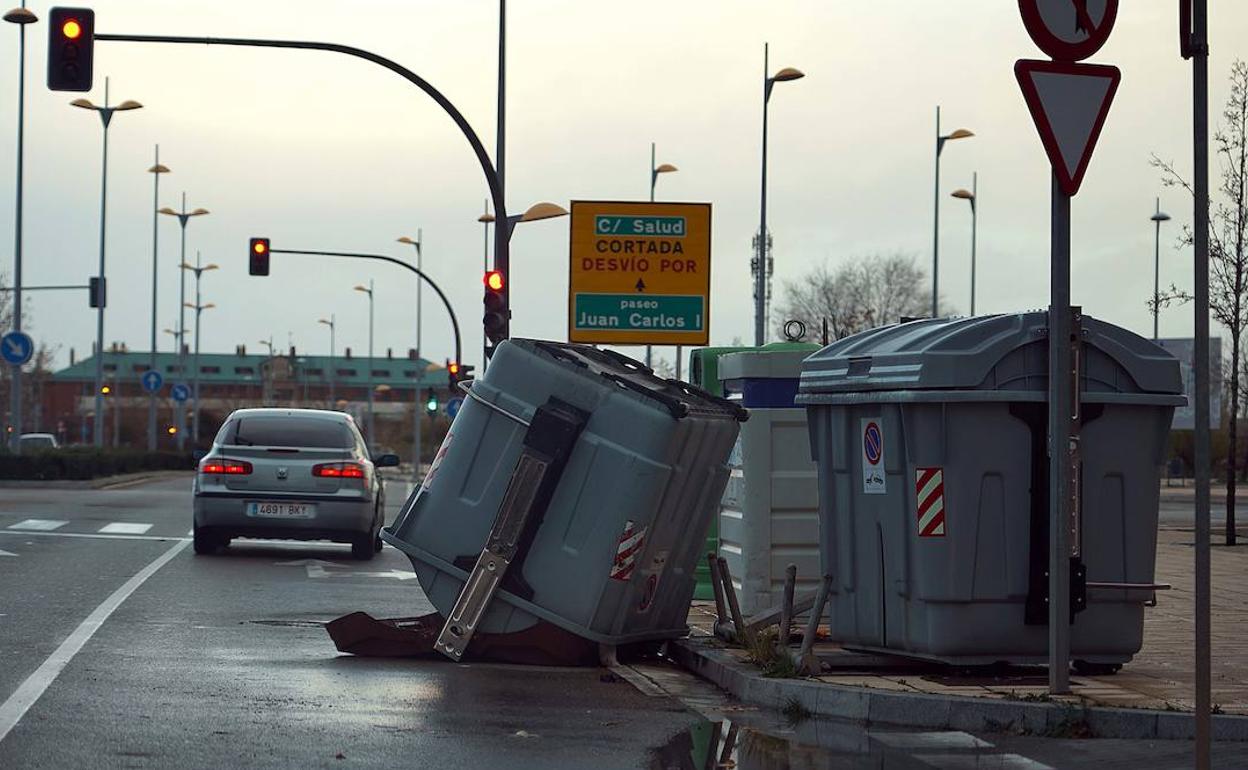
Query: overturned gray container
point(611, 558)
point(930, 438)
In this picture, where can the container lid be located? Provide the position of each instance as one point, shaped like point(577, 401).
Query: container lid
point(781, 361)
point(986, 358)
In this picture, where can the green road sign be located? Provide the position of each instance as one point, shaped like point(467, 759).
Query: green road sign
point(655, 314)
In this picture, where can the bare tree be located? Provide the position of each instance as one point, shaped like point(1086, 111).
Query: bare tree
point(1228, 252)
point(860, 294)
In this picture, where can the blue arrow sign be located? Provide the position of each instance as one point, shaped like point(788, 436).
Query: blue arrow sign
point(452, 407)
point(180, 392)
point(16, 348)
point(152, 381)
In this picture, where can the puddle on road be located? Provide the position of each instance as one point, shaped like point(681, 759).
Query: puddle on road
point(822, 743)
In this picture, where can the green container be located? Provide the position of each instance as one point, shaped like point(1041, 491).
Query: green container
point(704, 372)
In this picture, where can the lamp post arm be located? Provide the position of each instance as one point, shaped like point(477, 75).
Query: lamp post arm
point(502, 261)
point(382, 257)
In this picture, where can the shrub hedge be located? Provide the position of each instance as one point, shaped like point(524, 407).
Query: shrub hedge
point(83, 463)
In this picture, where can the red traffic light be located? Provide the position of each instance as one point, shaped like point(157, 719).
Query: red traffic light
point(71, 29)
point(494, 280)
point(258, 257)
point(71, 43)
point(452, 368)
point(259, 245)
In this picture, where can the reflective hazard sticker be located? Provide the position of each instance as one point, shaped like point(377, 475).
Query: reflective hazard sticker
point(437, 462)
point(929, 495)
point(627, 550)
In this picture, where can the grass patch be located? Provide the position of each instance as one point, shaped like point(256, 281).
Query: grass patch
point(762, 652)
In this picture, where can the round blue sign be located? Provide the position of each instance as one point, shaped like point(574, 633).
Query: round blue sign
point(16, 348)
point(872, 443)
point(452, 407)
point(152, 381)
point(180, 392)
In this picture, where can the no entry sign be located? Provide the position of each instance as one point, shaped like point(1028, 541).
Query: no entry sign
point(1069, 30)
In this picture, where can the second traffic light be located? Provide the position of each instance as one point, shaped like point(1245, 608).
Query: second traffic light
point(258, 257)
point(431, 401)
point(71, 42)
point(497, 319)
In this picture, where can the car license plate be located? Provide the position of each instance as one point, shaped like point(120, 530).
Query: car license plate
point(278, 510)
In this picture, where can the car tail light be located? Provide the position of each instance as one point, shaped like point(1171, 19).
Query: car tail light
point(339, 470)
point(220, 465)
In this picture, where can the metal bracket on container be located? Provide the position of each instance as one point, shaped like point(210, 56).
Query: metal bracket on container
point(466, 387)
point(1154, 587)
point(547, 445)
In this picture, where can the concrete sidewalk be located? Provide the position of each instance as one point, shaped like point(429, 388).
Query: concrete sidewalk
point(1147, 698)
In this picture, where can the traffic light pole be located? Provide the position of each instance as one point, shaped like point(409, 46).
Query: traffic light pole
point(502, 260)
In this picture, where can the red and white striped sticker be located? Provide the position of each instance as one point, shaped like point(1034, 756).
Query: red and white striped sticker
point(929, 495)
point(631, 540)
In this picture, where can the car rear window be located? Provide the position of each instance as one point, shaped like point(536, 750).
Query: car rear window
point(287, 432)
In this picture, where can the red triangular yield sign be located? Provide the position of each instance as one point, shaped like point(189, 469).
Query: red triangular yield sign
point(1068, 104)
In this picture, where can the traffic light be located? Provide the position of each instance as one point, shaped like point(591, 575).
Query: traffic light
point(71, 41)
point(452, 374)
point(258, 257)
point(431, 401)
point(497, 308)
point(97, 291)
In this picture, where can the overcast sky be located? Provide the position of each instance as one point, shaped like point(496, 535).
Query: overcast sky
point(316, 150)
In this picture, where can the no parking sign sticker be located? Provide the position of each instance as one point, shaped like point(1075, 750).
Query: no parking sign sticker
point(873, 481)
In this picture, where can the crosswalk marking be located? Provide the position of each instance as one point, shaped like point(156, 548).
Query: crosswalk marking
point(39, 525)
point(124, 528)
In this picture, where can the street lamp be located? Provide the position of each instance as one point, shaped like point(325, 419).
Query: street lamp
point(21, 17)
point(666, 168)
point(972, 196)
point(199, 307)
point(155, 171)
point(372, 435)
point(183, 216)
point(485, 220)
point(960, 133)
point(332, 323)
point(1157, 219)
point(760, 277)
point(106, 117)
point(419, 284)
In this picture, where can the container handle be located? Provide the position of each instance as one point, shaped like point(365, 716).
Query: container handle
point(466, 387)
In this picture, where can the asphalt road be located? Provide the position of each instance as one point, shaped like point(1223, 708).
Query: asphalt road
point(210, 662)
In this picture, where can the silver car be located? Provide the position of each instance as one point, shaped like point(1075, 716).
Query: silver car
point(302, 474)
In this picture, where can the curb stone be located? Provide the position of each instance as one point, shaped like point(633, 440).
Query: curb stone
point(930, 711)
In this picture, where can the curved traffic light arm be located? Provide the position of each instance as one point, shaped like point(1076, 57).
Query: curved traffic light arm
point(354, 255)
point(501, 253)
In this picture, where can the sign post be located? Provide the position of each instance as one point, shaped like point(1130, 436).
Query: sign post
point(1068, 103)
point(639, 273)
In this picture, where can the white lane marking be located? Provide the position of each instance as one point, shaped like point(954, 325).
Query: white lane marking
point(981, 761)
point(91, 536)
point(945, 739)
point(6, 553)
point(38, 525)
point(124, 528)
point(13, 709)
point(317, 569)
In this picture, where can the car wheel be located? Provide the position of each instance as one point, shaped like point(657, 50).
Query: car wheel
point(362, 547)
point(206, 543)
point(377, 544)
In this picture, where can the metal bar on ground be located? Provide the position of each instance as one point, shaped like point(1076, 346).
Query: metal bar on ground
point(743, 634)
point(807, 663)
point(717, 587)
point(786, 607)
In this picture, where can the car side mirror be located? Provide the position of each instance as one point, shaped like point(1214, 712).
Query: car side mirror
point(385, 461)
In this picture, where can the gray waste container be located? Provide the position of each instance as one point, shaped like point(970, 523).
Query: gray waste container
point(769, 517)
point(611, 554)
point(930, 439)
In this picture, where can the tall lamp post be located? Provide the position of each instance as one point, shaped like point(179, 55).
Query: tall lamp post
point(417, 423)
point(971, 196)
point(665, 168)
point(1157, 218)
point(485, 219)
point(183, 216)
point(332, 323)
point(21, 17)
point(199, 268)
point(419, 285)
point(372, 435)
point(155, 171)
point(106, 117)
point(960, 133)
point(760, 277)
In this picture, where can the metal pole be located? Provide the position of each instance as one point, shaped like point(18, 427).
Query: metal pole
point(936, 226)
point(199, 310)
point(181, 408)
point(502, 235)
point(1200, 128)
point(151, 365)
point(1059, 445)
point(333, 395)
point(760, 277)
point(416, 427)
point(372, 434)
point(105, 115)
point(420, 285)
point(1156, 268)
point(974, 231)
point(15, 398)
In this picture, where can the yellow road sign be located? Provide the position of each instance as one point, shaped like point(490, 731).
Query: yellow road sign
point(640, 273)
